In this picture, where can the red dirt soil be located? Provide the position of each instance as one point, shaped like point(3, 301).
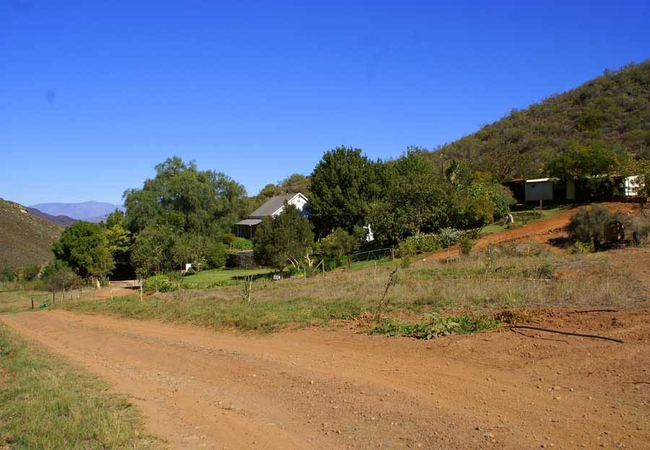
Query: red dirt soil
point(318, 388)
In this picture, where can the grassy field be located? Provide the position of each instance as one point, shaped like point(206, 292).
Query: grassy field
point(474, 285)
point(223, 276)
point(48, 404)
point(13, 299)
point(361, 265)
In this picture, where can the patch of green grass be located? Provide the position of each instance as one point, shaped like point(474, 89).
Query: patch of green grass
point(47, 404)
point(360, 265)
point(223, 276)
point(263, 316)
point(13, 299)
point(437, 326)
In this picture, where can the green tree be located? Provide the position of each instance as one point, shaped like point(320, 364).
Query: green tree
point(579, 161)
point(336, 245)
point(152, 251)
point(415, 198)
point(83, 246)
point(120, 244)
point(202, 252)
point(30, 273)
point(179, 216)
point(421, 198)
point(201, 202)
point(478, 204)
point(283, 240)
point(102, 262)
point(58, 276)
point(342, 186)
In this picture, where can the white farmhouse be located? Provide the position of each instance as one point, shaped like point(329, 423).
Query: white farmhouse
point(273, 207)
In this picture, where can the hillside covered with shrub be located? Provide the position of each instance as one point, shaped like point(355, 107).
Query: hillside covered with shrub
point(25, 240)
point(612, 110)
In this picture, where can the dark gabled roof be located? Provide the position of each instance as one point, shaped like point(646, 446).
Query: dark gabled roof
point(271, 206)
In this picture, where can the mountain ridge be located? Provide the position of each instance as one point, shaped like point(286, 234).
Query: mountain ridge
point(25, 239)
point(90, 211)
point(60, 220)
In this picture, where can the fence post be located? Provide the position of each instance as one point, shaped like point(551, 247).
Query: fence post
point(32, 302)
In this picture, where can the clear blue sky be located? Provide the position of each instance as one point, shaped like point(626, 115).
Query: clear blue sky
point(93, 94)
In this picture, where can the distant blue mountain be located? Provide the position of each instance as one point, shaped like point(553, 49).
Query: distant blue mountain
point(88, 211)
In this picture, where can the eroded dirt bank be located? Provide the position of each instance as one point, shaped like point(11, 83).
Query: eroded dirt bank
point(317, 388)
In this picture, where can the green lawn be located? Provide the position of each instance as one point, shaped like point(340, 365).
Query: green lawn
point(223, 276)
point(360, 265)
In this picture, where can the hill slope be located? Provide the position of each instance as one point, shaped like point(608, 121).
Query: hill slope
point(61, 220)
point(24, 239)
point(613, 109)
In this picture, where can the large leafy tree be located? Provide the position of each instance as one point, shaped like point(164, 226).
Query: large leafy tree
point(579, 161)
point(414, 199)
point(200, 202)
point(421, 197)
point(342, 186)
point(283, 240)
point(83, 246)
point(152, 251)
point(120, 242)
point(180, 216)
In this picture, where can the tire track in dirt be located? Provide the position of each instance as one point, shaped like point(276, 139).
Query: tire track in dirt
point(322, 389)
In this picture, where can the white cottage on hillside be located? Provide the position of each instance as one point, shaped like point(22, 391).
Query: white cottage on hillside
point(273, 207)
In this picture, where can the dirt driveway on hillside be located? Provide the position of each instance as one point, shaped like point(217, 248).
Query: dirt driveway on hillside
point(539, 231)
point(331, 389)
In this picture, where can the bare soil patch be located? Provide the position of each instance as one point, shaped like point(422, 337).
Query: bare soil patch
point(320, 388)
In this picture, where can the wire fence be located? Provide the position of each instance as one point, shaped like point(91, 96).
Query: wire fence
point(41, 300)
point(372, 255)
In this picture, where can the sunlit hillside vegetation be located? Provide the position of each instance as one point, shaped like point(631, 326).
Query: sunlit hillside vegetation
point(24, 239)
point(612, 110)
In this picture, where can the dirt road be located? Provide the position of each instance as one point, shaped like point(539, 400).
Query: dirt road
point(539, 231)
point(334, 389)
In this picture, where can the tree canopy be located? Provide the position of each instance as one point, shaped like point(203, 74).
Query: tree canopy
point(180, 216)
point(283, 240)
point(419, 197)
point(343, 184)
point(193, 201)
point(83, 246)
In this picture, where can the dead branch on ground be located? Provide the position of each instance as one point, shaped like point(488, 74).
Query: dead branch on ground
point(567, 333)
